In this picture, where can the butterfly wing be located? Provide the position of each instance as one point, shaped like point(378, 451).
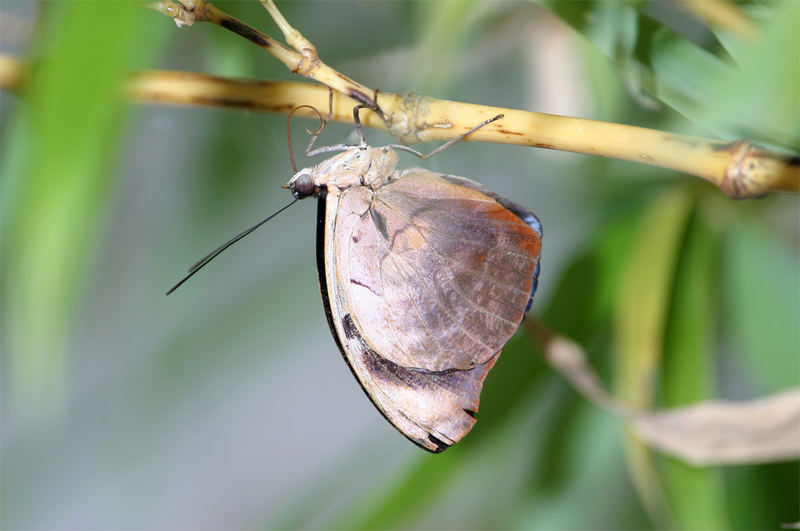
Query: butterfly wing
point(398, 266)
point(438, 274)
point(433, 410)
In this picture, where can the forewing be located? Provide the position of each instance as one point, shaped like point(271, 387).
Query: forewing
point(438, 275)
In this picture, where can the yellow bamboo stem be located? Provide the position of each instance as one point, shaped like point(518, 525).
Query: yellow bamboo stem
point(739, 169)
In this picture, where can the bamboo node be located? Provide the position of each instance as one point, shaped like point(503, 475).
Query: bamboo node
point(746, 177)
point(183, 12)
point(309, 63)
point(403, 122)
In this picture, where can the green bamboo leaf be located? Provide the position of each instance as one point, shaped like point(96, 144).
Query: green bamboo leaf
point(763, 496)
point(761, 307)
point(723, 96)
point(730, 99)
point(413, 494)
point(640, 322)
point(444, 26)
point(611, 26)
point(588, 457)
point(696, 495)
point(60, 184)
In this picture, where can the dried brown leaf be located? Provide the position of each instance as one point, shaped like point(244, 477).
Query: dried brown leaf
point(714, 432)
point(722, 433)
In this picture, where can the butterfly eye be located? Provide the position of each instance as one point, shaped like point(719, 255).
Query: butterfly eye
point(302, 187)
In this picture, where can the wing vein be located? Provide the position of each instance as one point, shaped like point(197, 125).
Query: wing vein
point(439, 254)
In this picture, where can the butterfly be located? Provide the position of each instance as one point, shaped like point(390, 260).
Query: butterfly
point(424, 278)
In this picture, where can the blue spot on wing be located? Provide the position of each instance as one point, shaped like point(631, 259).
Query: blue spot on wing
point(534, 223)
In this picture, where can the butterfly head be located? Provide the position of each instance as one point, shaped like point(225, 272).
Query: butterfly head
point(357, 166)
point(302, 185)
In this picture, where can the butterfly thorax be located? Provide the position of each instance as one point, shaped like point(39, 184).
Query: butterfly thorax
point(358, 166)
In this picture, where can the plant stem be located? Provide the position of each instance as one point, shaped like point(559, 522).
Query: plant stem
point(740, 169)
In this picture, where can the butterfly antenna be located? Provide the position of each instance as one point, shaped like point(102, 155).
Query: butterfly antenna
point(314, 134)
point(216, 252)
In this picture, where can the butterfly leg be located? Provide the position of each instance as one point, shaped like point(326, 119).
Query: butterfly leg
point(446, 144)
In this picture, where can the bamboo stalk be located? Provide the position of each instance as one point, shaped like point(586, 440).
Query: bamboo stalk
point(740, 169)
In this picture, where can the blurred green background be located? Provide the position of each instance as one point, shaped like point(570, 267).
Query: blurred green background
point(227, 405)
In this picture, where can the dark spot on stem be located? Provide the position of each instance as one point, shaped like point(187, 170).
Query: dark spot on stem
point(718, 146)
point(227, 102)
point(245, 31)
point(360, 97)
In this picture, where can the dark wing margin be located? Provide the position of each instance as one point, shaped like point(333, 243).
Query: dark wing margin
point(466, 384)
